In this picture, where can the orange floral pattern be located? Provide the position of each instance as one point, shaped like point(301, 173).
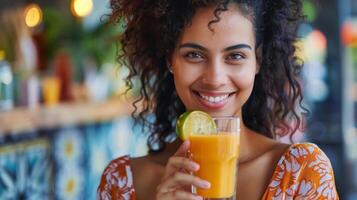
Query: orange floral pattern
point(303, 172)
point(117, 181)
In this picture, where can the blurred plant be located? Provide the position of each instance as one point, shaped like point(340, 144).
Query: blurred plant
point(66, 33)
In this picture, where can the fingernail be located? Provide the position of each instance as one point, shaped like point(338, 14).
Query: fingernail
point(194, 166)
point(205, 184)
point(199, 198)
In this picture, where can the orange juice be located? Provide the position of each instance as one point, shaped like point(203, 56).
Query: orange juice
point(217, 156)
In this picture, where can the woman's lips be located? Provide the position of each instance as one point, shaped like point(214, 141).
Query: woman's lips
point(213, 100)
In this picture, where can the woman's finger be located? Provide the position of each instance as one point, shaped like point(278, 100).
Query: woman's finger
point(182, 150)
point(176, 163)
point(180, 179)
point(177, 177)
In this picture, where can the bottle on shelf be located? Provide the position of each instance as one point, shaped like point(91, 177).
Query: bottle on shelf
point(6, 84)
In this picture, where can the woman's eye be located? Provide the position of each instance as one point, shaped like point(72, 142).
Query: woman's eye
point(193, 55)
point(235, 56)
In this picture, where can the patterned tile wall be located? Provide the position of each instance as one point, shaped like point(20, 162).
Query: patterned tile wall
point(64, 163)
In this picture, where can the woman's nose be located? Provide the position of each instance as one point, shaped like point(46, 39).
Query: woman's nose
point(215, 74)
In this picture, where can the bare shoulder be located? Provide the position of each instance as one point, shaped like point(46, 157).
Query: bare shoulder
point(147, 173)
point(154, 162)
point(142, 165)
point(142, 160)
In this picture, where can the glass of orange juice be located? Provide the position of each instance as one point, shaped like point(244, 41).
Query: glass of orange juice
point(217, 154)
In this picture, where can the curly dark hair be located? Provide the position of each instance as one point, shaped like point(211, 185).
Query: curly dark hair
point(152, 28)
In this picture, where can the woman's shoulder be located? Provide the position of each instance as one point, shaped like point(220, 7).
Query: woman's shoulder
point(121, 161)
point(305, 152)
point(117, 180)
point(306, 156)
point(124, 165)
point(303, 171)
point(118, 167)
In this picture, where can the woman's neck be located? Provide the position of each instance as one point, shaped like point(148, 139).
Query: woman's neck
point(251, 145)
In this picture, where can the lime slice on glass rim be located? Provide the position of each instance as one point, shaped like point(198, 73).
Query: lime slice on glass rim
point(194, 122)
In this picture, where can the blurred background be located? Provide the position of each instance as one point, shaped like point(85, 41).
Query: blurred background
point(62, 118)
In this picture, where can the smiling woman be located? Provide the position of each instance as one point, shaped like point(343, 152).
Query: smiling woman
point(214, 69)
point(226, 58)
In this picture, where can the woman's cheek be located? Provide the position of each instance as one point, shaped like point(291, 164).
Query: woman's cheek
point(244, 80)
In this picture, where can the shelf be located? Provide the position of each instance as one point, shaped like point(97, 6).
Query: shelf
point(21, 120)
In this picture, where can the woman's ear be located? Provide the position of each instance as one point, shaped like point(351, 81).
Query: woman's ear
point(257, 70)
point(169, 66)
point(170, 61)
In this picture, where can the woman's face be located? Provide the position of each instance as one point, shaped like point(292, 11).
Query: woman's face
point(214, 70)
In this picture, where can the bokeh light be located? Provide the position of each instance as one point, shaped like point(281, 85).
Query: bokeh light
point(309, 10)
point(349, 33)
point(2, 54)
point(81, 8)
point(33, 15)
point(315, 45)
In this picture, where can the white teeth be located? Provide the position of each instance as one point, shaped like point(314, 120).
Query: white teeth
point(214, 99)
point(211, 99)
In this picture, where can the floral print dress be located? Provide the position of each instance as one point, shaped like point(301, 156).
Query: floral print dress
point(303, 172)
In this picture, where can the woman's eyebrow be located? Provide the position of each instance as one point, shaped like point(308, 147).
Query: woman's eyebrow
point(192, 45)
point(197, 46)
point(238, 46)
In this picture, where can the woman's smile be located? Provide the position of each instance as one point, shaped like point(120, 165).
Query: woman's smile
point(213, 100)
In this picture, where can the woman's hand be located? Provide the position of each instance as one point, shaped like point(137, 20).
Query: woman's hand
point(176, 182)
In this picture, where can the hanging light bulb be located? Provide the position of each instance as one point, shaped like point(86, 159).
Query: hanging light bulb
point(33, 15)
point(81, 8)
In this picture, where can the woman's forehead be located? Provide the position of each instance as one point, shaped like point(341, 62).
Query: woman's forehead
point(232, 26)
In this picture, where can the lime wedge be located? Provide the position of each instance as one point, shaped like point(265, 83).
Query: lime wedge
point(193, 123)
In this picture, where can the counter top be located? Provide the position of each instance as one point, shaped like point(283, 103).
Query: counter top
point(21, 120)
